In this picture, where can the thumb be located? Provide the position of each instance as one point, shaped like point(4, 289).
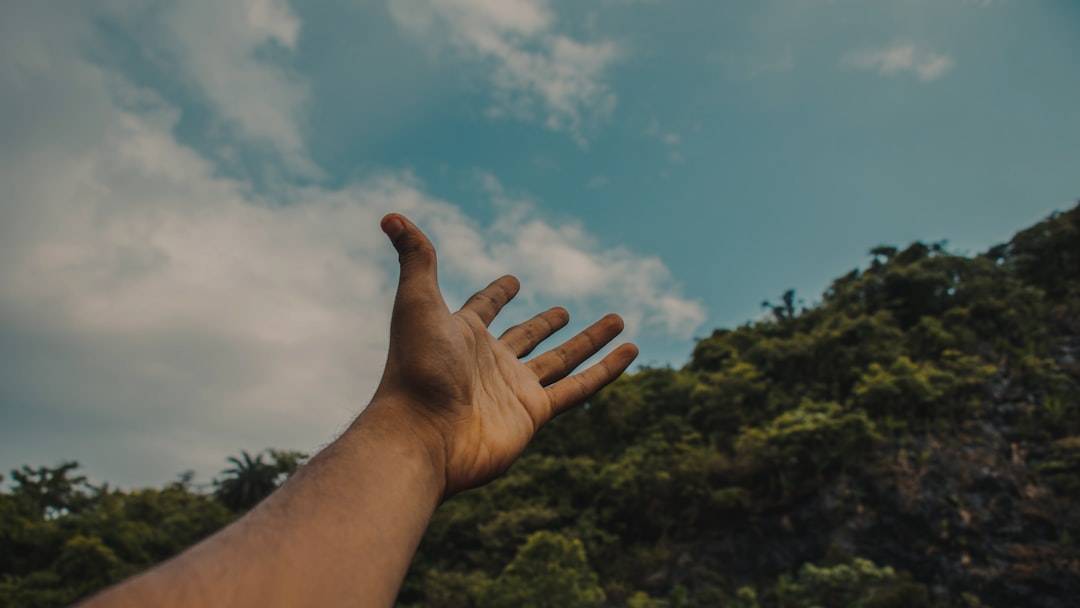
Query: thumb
point(416, 255)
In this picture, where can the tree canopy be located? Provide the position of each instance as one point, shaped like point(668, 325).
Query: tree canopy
point(911, 439)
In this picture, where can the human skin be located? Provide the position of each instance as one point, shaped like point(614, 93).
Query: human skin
point(454, 409)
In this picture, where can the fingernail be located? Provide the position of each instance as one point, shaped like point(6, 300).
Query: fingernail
point(392, 226)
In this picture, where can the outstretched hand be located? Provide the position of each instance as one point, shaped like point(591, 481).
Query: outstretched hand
point(454, 409)
point(468, 397)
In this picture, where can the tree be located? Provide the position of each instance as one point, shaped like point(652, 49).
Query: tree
point(47, 493)
point(62, 539)
point(550, 570)
point(250, 480)
point(803, 444)
point(857, 584)
point(784, 310)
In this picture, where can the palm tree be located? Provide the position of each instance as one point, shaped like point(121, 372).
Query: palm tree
point(250, 480)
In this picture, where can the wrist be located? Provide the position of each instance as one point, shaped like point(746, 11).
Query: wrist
point(401, 436)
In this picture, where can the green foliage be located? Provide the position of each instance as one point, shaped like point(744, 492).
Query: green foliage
point(803, 444)
point(62, 539)
point(549, 570)
point(1061, 471)
point(659, 486)
point(1055, 412)
point(745, 597)
point(1047, 255)
point(724, 400)
point(920, 391)
point(642, 600)
point(250, 480)
point(858, 584)
point(88, 560)
point(725, 482)
point(453, 589)
point(46, 493)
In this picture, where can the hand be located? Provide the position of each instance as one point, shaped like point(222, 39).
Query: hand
point(455, 408)
point(467, 396)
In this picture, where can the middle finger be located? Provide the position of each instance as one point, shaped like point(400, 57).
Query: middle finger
point(562, 360)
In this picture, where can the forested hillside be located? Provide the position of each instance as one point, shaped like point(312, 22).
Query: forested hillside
point(911, 440)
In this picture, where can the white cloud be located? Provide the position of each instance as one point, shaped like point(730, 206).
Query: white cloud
point(900, 58)
point(157, 316)
point(219, 49)
point(165, 309)
point(537, 74)
point(570, 266)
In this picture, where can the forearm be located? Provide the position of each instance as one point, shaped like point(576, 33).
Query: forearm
point(342, 531)
point(455, 408)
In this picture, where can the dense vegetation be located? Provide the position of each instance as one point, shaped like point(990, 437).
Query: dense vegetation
point(62, 538)
point(911, 440)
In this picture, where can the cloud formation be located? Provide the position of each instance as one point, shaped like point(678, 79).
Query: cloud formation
point(225, 52)
point(902, 58)
point(537, 73)
point(156, 315)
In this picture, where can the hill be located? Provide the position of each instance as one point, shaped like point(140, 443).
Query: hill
point(911, 440)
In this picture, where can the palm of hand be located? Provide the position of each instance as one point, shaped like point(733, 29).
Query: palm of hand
point(470, 394)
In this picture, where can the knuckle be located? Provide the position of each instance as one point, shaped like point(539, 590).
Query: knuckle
point(529, 334)
point(583, 389)
point(564, 356)
point(555, 318)
point(417, 261)
point(418, 251)
point(482, 298)
point(546, 321)
point(591, 341)
point(605, 367)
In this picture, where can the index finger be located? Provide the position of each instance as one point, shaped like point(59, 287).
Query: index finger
point(487, 302)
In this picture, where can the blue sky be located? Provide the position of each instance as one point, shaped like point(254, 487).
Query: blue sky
point(190, 262)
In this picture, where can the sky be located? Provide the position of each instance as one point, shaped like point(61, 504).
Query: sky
point(190, 258)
